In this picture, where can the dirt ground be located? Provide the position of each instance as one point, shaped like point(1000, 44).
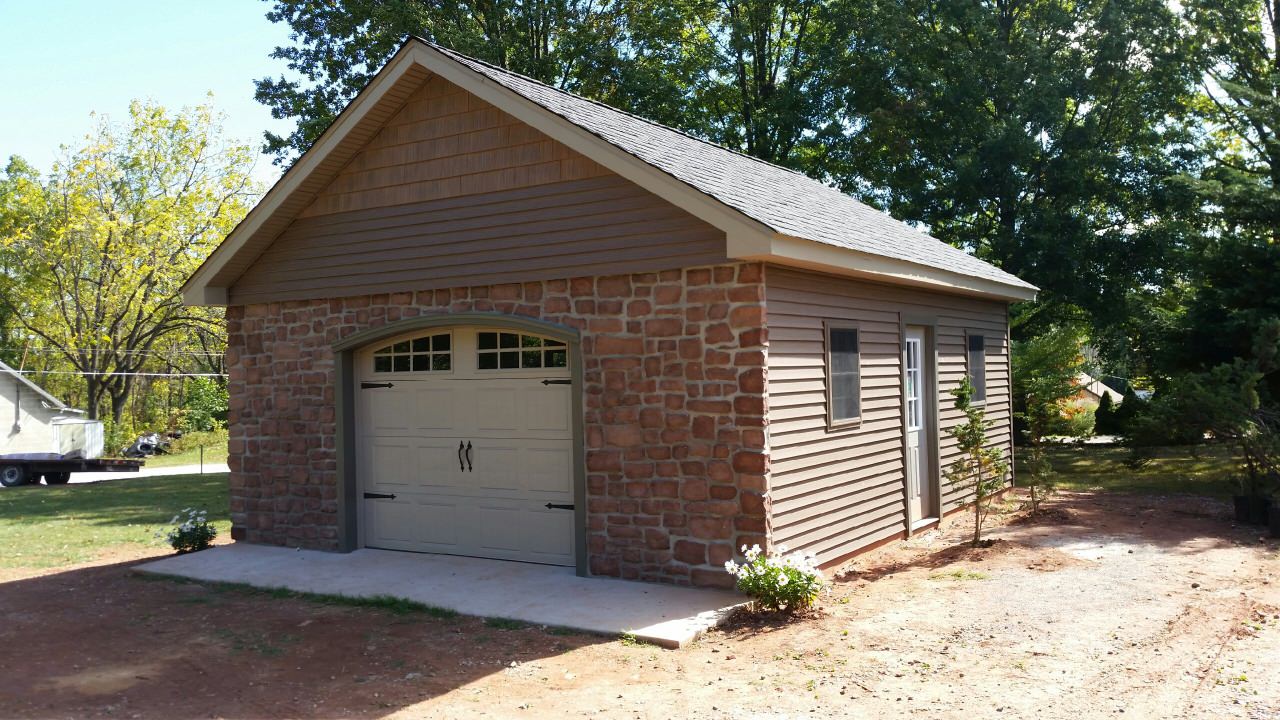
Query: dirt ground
point(1104, 605)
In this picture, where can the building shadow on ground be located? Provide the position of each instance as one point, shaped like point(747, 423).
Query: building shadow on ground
point(105, 640)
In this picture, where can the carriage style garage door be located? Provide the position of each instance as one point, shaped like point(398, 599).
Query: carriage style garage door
point(465, 445)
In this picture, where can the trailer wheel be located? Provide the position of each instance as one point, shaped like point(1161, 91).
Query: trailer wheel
point(13, 475)
point(56, 478)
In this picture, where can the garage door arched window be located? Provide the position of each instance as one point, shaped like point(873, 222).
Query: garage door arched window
point(429, 353)
point(514, 351)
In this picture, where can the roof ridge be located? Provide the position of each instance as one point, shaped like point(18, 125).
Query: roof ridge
point(641, 118)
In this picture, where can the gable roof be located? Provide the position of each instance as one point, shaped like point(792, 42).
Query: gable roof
point(767, 212)
point(55, 402)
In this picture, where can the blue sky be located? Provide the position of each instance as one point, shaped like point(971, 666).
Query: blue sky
point(63, 59)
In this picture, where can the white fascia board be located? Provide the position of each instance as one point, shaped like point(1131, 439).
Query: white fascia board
point(811, 255)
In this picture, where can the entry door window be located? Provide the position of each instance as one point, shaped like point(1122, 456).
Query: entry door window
point(914, 378)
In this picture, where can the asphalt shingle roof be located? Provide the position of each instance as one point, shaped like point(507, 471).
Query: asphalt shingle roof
point(789, 202)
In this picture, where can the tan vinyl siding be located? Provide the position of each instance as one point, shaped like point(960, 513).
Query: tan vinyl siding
point(836, 491)
point(452, 191)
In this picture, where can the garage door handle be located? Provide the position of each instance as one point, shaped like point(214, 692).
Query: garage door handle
point(371, 385)
point(461, 465)
point(469, 468)
point(379, 496)
point(557, 506)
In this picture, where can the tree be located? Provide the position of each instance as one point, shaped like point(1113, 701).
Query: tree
point(1039, 135)
point(753, 75)
point(1238, 259)
point(980, 470)
point(104, 245)
point(572, 44)
point(1046, 372)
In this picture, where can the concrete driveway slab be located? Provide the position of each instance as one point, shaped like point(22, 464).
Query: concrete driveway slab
point(539, 594)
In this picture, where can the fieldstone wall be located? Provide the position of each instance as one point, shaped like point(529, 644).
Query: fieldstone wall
point(675, 411)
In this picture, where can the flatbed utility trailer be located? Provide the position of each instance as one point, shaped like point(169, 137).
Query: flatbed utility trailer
point(28, 468)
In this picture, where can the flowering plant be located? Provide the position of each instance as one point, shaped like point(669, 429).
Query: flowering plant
point(776, 581)
point(194, 533)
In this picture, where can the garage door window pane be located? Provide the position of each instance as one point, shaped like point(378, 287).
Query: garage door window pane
point(429, 353)
point(498, 351)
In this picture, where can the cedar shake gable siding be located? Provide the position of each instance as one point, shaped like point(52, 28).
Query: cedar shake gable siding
point(453, 192)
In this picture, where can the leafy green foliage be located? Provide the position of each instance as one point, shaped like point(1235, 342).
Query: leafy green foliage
point(981, 470)
point(101, 248)
point(752, 75)
point(204, 404)
point(1035, 134)
point(777, 582)
point(1046, 372)
point(192, 534)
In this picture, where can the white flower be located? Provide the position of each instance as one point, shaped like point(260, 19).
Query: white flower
point(731, 567)
point(782, 580)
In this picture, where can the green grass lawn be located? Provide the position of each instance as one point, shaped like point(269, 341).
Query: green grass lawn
point(1170, 470)
point(213, 454)
point(44, 526)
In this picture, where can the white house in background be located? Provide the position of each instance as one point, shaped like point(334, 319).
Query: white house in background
point(33, 421)
point(1092, 389)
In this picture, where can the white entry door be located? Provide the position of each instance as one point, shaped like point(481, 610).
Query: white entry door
point(919, 469)
point(465, 445)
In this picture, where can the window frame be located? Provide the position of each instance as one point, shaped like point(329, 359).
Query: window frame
point(430, 354)
point(519, 349)
point(828, 326)
point(968, 365)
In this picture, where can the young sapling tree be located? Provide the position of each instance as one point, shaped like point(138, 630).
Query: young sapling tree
point(980, 471)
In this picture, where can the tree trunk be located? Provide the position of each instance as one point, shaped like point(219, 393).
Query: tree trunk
point(977, 505)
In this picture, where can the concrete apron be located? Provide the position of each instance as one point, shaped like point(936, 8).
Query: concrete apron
point(539, 594)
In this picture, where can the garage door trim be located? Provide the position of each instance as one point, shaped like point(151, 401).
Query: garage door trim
point(345, 403)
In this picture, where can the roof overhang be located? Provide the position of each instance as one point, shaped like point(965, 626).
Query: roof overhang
point(412, 65)
point(810, 255)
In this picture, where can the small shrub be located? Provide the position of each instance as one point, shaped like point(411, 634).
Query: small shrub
point(194, 533)
point(777, 582)
point(196, 440)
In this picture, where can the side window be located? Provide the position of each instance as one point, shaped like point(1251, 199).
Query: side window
point(430, 353)
point(844, 382)
point(978, 366)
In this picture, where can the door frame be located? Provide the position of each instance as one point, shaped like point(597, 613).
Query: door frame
point(344, 352)
point(929, 355)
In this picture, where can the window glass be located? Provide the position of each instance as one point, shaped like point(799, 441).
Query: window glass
point(843, 374)
point(978, 367)
point(429, 353)
point(512, 351)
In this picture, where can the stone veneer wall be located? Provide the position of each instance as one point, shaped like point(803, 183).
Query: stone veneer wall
point(674, 368)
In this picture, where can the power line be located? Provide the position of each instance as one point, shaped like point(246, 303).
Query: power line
point(160, 353)
point(135, 374)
